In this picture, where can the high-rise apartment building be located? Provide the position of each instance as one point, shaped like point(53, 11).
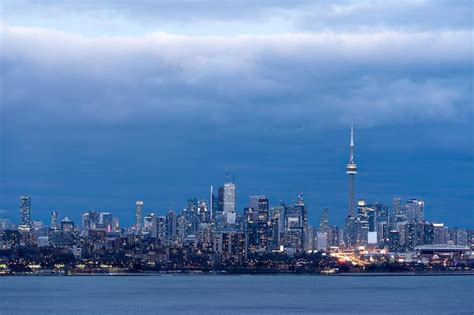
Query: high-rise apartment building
point(414, 210)
point(295, 225)
point(138, 215)
point(324, 221)
point(171, 224)
point(90, 220)
point(105, 221)
point(25, 210)
point(54, 220)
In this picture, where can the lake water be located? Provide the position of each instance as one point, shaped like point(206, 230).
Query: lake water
point(213, 294)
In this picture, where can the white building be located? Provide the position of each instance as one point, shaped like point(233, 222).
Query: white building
point(229, 203)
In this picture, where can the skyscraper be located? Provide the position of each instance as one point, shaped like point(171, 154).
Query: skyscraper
point(25, 210)
point(395, 213)
point(67, 225)
point(295, 225)
point(171, 223)
point(250, 229)
point(138, 215)
point(54, 220)
point(324, 221)
point(220, 202)
point(229, 202)
point(150, 225)
point(203, 212)
point(254, 201)
point(415, 210)
point(105, 221)
point(351, 170)
point(211, 202)
point(90, 220)
point(262, 222)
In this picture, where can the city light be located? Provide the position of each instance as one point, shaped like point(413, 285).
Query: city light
point(210, 235)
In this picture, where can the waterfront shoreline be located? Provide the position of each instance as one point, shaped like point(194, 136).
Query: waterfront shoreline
point(345, 274)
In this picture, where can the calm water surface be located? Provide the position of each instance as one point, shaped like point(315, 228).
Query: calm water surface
point(208, 294)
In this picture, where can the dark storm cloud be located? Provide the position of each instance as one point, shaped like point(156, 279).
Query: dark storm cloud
point(307, 78)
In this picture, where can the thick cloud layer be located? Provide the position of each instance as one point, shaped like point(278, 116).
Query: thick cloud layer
point(388, 77)
point(100, 121)
point(229, 17)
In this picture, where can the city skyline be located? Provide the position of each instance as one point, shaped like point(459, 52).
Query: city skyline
point(236, 156)
point(212, 236)
point(228, 202)
point(105, 105)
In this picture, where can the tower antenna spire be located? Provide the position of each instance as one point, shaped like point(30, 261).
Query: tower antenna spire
point(211, 200)
point(351, 160)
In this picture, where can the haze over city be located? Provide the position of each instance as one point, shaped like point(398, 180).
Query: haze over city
point(106, 104)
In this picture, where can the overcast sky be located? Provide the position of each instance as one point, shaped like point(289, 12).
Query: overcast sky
point(107, 102)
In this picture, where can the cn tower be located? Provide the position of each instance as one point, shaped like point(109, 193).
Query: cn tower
point(351, 170)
